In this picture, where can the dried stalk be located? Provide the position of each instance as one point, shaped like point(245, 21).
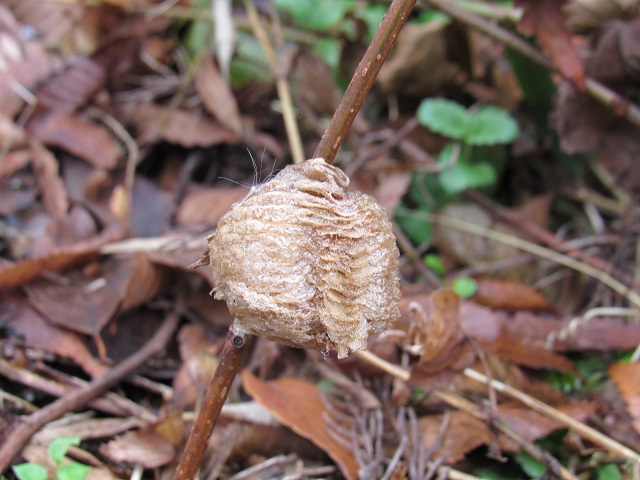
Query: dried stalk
point(284, 93)
point(363, 79)
point(548, 411)
point(234, 347)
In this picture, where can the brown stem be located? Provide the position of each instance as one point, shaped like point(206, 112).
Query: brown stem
point(19, 437)
point(234, 346)
point(363, 79)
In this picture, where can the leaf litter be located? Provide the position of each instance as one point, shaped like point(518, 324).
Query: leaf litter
point(118, 128)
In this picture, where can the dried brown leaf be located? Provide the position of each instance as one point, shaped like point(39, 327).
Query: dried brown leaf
point(626, 376)
point(72, 87)
point(70, 28)
point(464, 433)
point(141, 447)
point(151, 209)
point(40, 334)
point(198, 354)
point(509, 295)
point(471, 249)
point(547, 21)
point(54, 194)
point(83, 138)
point(490, 329)
point(91, 302)
point(299, 406)
point(187, 128)
point(11, 135)
point(204, 205)
point(311, 90)
point(14, 161)
point(23, 63)
point(533, 425)
point(217, 96)
point(435, 331)
point(421, 65)
point(15, 274)
point(391, 189)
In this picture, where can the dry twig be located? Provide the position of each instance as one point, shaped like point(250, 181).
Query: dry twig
point(29, 425)
point(363, 79)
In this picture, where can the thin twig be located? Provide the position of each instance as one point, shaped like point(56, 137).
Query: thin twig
point(617, 103)
point(550, 412)
point(234, 347)
point(542, 252)
point(363, 79)
point(582, 429)
point(465, 405)
point(284, 94)
point(20, 436)
point(541, 235)
point(108, 402)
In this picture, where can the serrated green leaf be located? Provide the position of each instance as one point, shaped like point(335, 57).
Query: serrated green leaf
point(72, 471)
point(531, 466)
point(490, 126)
point(58, 448)
point(30, 471)
point(467, 175)
point(465, 287)
point(444, 117)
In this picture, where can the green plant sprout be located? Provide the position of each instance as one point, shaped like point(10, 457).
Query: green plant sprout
point(473, 158)
point(65, 469)
point(463, 167)
point(465, 287)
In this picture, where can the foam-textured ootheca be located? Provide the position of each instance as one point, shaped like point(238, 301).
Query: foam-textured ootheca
point(305, 263)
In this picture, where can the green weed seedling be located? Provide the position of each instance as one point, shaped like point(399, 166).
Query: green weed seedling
point(461, 160)
point(473, 158)
point(66, 469)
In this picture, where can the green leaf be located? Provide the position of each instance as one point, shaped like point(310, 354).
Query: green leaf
point(609, 472)
point(72, 471)
point(444, 117)
point(249, 63)
point(58, 448)
point(467, 175)
point(30, 471)
point(371, 15)
point(489, 126)
point(313, 15)
point(243, 72)
point(435, 264)
point(531, 466)
point(414, 223)
point(329, 50)
point(465, 287)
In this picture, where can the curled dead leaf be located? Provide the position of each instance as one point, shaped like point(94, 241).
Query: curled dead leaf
point(298, 405)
